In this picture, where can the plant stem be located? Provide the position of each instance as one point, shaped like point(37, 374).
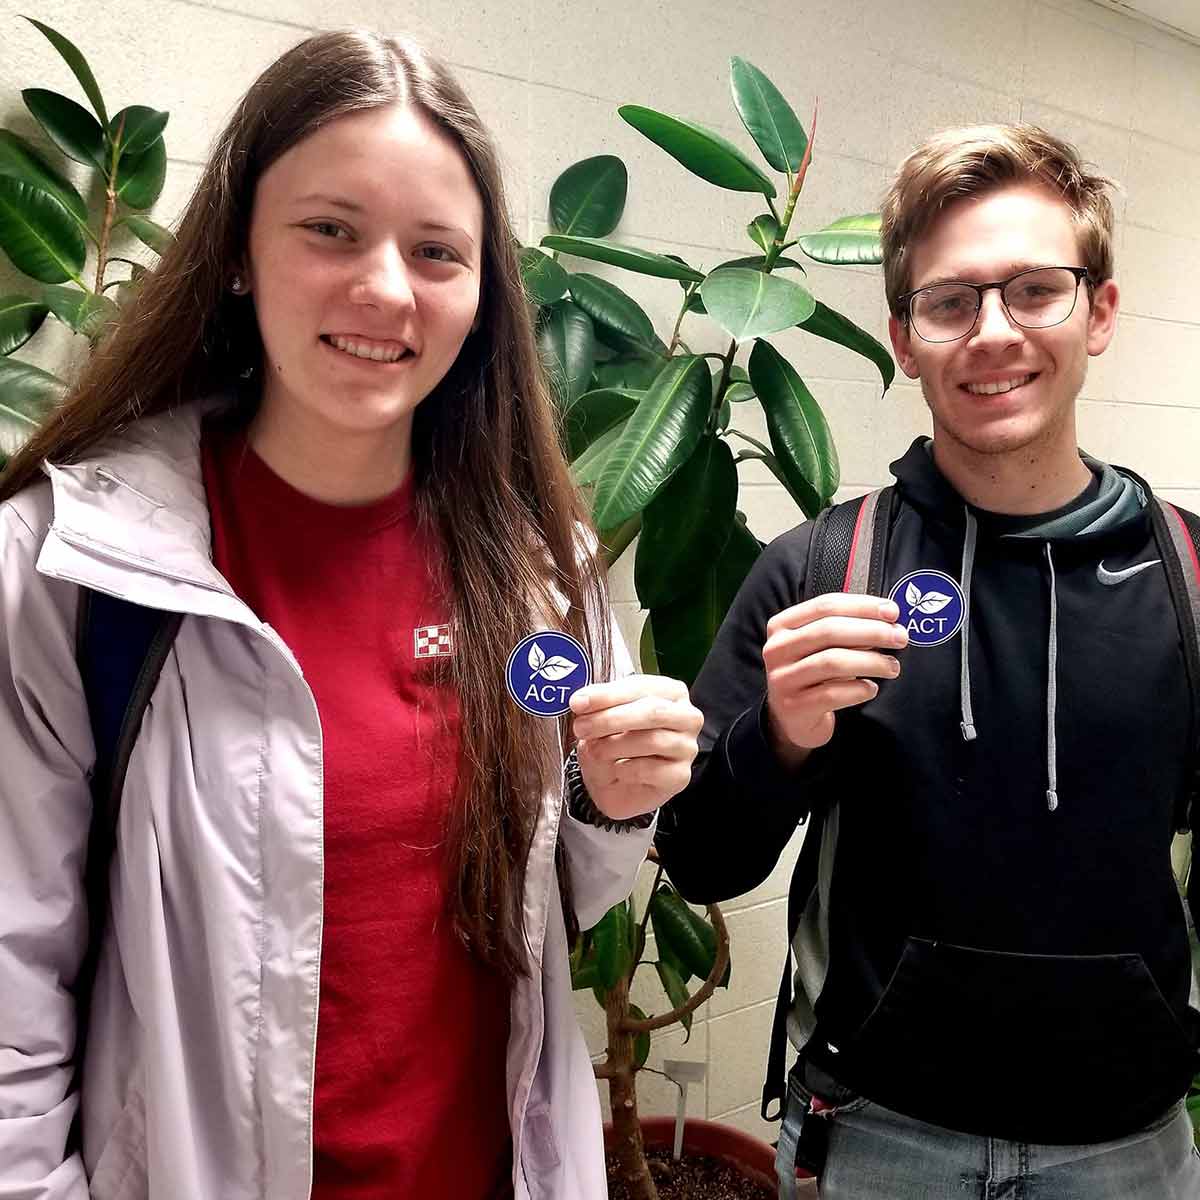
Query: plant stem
point(110, 211)
point(628, 1147)
point(793, 195)
point(646, 915)
point(753, 441)
point(687, 297)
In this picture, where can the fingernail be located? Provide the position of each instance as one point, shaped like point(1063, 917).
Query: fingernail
point(889, 611)
point(900, 636)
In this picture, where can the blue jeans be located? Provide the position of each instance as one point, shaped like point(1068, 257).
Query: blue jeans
point(877, 1154)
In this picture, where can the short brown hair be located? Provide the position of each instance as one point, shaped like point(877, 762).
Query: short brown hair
point(975, 160)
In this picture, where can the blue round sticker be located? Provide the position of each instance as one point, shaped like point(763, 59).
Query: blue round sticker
point(545, 670)
point(931, 607)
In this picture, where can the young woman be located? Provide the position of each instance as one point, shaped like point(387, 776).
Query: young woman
point(322, 436)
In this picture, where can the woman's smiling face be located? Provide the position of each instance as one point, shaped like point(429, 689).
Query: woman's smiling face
point(364, 264)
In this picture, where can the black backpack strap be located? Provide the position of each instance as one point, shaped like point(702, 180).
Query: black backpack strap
point(847, 553)
point(1178, 536)
point(121, 648)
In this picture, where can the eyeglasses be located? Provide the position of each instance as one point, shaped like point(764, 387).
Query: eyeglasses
point(1034, 299)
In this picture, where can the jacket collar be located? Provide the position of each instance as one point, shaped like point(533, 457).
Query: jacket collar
point(132, 518)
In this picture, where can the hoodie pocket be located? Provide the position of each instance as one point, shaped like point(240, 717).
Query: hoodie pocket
point(1027, 1047)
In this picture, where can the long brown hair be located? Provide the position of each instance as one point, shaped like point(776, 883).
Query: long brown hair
point(489, 473)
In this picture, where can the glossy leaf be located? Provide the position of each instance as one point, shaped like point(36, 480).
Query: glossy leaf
point(20, 318)
point(567, 343)
point(27, 395)
point(586, 469)
point(608, 305)
point(38, 234)
point(136, 128)
point(767, 116)
point(68, 125)
point(746, 303)
point(676, 990)
point(634, 372)
point(701, 151)
point(657, 439)
point(684, 629)
point(850, 241)
point(586, 976)
point(543, 279)
point(611, 939)
point(78, 64)
point(643, 262)
point(140, 176)
point(834, 327)
point(588, 198)
point(82, 311)
point(739, 393)
point(674, 931)
point(594, 414)
point(685, 527)
point(646, 655)
point(800, 436)
point(19, 160)
point(641, 1041)
point(150, 233)
point(763, 231)
point(758, 261)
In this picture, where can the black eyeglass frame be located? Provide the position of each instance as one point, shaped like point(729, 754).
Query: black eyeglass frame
point(904, 301)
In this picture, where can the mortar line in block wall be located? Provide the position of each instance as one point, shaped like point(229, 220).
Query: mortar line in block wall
point(230, 10)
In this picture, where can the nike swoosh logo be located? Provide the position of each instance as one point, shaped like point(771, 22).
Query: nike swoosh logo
point(1112, 578)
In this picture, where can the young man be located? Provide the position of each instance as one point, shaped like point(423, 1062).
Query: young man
point(994, 987)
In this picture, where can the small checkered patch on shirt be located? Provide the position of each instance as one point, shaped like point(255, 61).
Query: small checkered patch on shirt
point(433, 641)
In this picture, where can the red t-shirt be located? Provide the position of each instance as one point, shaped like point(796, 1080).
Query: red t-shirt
point(412, 1031)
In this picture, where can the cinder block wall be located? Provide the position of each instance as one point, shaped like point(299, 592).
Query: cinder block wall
point(548, 77)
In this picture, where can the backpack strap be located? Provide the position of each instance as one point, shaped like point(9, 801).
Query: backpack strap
point(120, 649)
point(1178, 536)
point(847, 553)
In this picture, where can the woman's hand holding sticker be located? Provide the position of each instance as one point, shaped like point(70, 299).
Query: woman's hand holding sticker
point(636, 742)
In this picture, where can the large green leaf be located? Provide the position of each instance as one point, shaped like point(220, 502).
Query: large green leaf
point(588, 198)
point(849, 241)
point(831, 325)
point(659, 437)
point(676, 990)
point(38, 234)
point(149, 233)
point(643, 262)
point(677, 935)
point(68, 125)
point(594, 414)
point(685, 527)
point(568, 347)
point(684, 629)
point(27, 395)
point(758, 261)
point(587, 468)
point(701, 151)
point(20, 318)
point(800, 435)
point(544, 280)
point(641, 1041)
point(140, 176)
point(634, 372)
point(78, 64)
point(746, 303)
point(608, 305)
point(85, 312)
point(767, 116)
point(135, 129)
point(19, 160)
point(611, 938)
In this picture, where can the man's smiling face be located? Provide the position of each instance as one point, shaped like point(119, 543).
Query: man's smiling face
point(1002, 388)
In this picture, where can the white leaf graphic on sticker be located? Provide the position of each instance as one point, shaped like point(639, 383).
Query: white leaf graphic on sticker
point(933, 602)
point(556, 668)
point(912, 595)
point(536, 658)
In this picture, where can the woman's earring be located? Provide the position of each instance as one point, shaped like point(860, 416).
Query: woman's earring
point(237, 285)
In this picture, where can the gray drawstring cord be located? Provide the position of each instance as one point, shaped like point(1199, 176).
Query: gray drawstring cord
point(964, 675)
point(1052, 693)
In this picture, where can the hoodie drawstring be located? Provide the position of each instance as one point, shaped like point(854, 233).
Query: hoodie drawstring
point(1052, 693)
point(967, 723)
point(964, 674)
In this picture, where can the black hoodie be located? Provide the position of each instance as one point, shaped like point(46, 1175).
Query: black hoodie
point(1001, 947)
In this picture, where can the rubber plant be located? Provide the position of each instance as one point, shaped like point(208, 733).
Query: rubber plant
point(63, 248)
point(650, 425)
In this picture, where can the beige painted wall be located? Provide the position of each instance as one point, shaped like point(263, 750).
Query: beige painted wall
point(548, 76)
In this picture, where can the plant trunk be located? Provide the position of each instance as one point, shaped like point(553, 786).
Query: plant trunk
point(628, 1148)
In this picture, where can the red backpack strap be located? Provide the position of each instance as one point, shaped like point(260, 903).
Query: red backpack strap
point(848, 551)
